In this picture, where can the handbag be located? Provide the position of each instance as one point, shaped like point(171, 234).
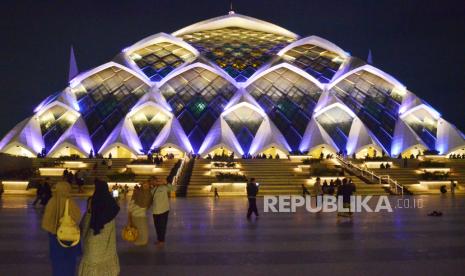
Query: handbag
point(68, 230)
point(129, 233)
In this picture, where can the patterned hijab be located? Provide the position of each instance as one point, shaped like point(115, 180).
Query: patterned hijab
point(55, 208)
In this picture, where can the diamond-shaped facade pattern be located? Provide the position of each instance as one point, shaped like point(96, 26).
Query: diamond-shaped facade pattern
point(322, 64)
point(230, 51)
point(375, 101)
point(105, 98)
point(336, 122)
point(244, 122)
point(158, 60)
point(289, 100)
point(197, 97)
point(148, 123)
point(239, 52)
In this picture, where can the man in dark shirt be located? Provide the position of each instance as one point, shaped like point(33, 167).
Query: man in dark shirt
point(252, 190)
point(346, 190)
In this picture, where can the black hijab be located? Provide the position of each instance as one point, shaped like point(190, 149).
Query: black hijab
point(103, 207)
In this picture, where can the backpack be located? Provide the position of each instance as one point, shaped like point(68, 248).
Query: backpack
point(68, 230)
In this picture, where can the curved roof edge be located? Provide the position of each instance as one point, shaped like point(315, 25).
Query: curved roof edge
point(449, 137)
point(243, 104)
point(141, 106)
point(158, 38)
point(181, 70)
point(318, 41)
point(286, 65)
point(56, 103)
point(335, 105)
point(235, 20)
point(74, 82)
point(369, 68)
point(436, 115)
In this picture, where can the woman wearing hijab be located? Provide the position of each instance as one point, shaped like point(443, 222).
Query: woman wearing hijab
point(63, 259)
point(99, 234)
point(137, 212)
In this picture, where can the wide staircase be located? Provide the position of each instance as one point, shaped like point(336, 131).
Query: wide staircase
point(200, 180)
point(410, 177)
point(368, 189)
point(276, 177)
point(457, 170)
point(404, 176)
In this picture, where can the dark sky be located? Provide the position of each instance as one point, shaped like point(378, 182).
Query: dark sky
point(421, 43)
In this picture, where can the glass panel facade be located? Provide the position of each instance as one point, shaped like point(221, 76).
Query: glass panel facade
point(424, 125)
point(105, 97)
point(375, 101)
point(158, 60)
point(318, 62)
point(336, 122)
point(240, 52)
point(197, 97)
point(288, 99)
point(244, 122)
point(148, 123)
point(53, 123)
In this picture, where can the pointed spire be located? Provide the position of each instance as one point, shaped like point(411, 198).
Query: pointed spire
point(231, 11)
point(73, 69)
point(369, 57)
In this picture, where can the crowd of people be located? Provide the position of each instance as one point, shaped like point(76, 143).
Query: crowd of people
point(261, 156)
point(331, 188)
point(97, 248)
point(344, 188)
point(457, 156)
point(225, 156)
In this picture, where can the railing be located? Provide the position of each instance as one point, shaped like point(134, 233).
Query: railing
point(178, 174)
point(393, 185)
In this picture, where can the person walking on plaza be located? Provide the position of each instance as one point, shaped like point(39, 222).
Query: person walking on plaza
point(137, 212)
point(305, 191)
point(63, 259)
point(160, 208)
point(252, 191)
point(39, 190)
point(99, 234)
point(452, 187)
point(46, 193)
point(346, 190)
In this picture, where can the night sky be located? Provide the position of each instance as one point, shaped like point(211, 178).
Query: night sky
point(421, 43)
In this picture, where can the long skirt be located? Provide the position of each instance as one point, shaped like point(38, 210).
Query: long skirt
point(63, 259)
point(141, 224)
point(99, 251)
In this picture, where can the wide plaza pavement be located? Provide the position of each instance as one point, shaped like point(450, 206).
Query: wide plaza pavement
point(213, 237)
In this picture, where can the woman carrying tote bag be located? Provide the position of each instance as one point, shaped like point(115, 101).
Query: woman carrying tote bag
point(63, 258)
